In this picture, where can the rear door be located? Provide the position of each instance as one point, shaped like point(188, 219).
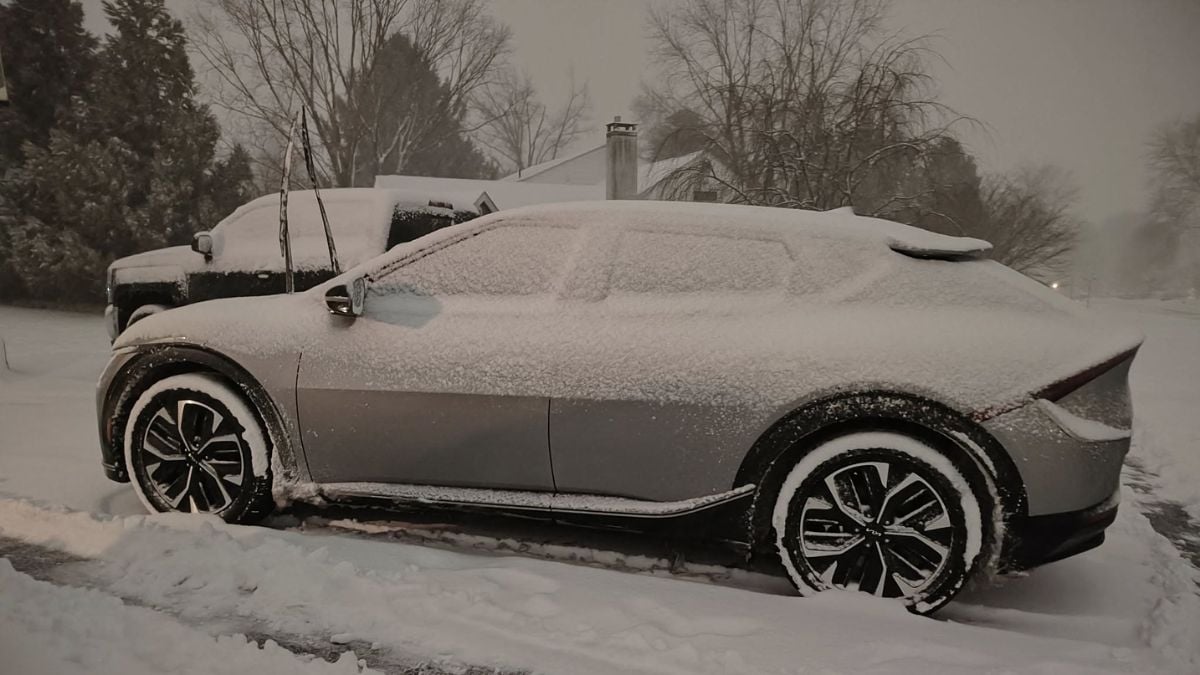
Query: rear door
point(442, 381)
point(660, 399)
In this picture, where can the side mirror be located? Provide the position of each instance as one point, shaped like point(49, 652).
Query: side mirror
point(202, 243)
point(347, 299)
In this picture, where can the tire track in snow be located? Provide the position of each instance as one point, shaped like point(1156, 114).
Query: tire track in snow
point(1168, 518)
point(64, 569)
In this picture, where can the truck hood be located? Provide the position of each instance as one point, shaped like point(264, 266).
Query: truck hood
point(173, 256)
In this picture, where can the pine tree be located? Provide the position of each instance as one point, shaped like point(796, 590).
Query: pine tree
point(49, 59)
point(133, 170)
point(415, 102)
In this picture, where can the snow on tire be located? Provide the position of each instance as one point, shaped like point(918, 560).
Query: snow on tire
point(881, 513)
point(193, 444)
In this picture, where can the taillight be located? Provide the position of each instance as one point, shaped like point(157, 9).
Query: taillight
point(1100, 393)
point(1063, 387)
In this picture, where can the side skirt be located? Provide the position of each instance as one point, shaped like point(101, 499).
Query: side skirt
point(525, 500)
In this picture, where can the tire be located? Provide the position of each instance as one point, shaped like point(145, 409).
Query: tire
point(882, 513)
point(216, 461)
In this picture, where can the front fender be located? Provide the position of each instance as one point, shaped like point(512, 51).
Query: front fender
point(133, 369)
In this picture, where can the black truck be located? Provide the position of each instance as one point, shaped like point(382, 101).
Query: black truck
point(241, 255)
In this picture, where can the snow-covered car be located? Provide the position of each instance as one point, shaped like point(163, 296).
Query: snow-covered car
point(240, 256)
point(877, 407)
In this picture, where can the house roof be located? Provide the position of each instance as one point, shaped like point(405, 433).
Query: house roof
point(653, 173)
point(467, 193)
point(513, 191)
point(536, 169)
point(511, 195)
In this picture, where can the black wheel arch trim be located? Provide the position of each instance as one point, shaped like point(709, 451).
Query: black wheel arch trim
point(781, 446)
point(153, 362)
point(128, 297)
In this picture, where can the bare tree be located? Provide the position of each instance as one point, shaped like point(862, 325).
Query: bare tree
point(1174, 160)
point(801, 103)
point(519, 128)
point(271, 56)
point(1172, 230)
point(1027, 218)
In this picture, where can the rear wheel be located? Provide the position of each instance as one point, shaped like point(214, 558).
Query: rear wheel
point(880, 513)
point(193, 444)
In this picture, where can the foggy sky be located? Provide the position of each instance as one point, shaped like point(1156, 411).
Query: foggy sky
point(1079, 83)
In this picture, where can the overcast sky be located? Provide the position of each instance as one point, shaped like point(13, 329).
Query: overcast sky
point(1078, 83)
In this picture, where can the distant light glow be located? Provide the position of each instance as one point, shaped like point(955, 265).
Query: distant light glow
point(1054, 285)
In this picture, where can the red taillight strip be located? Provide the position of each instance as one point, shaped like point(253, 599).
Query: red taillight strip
point(1059, 389)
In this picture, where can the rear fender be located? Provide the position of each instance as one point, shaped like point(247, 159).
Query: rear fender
point(961, 439)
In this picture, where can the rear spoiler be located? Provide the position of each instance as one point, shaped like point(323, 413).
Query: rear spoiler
point(980, 249)
point(912, 241)
point(1060, 388)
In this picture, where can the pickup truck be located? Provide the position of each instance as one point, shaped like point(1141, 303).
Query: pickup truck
point(241, 255)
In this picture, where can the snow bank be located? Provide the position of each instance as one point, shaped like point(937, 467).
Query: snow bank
point(553, 617)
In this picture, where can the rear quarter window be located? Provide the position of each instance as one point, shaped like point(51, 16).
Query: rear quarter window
point(658, 263)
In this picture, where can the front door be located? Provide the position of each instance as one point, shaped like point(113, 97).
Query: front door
point(440, 382)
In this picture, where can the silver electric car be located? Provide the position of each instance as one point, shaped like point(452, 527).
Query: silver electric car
point(867, 405)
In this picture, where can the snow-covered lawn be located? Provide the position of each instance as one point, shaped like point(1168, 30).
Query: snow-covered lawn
point(177, 594)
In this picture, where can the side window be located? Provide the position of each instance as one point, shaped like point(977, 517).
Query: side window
point(663, 262)
point(251, 241)
point(409, 223)
point(510, 260)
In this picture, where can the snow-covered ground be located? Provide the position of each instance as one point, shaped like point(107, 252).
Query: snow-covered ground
point(124, 592)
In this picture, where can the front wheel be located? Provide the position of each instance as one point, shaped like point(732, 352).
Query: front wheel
point(193, 444)
point(880, 513)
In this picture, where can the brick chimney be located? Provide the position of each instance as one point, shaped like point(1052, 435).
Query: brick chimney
point(622, 159)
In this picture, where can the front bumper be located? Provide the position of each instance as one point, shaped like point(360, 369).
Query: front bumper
point(1037, 540)
point(110, 322)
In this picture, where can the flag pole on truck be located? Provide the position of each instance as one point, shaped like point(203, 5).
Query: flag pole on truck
point(312, 177)
point(285, 239)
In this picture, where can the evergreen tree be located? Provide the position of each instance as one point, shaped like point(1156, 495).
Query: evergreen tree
point(419, 131)
point(49, 59)
point(135, 169)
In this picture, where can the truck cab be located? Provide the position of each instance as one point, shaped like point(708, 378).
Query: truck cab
point(241, 255)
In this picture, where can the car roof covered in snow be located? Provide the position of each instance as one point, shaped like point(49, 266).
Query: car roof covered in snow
point(730, 219)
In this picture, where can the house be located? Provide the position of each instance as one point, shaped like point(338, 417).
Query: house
point(611, 170)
